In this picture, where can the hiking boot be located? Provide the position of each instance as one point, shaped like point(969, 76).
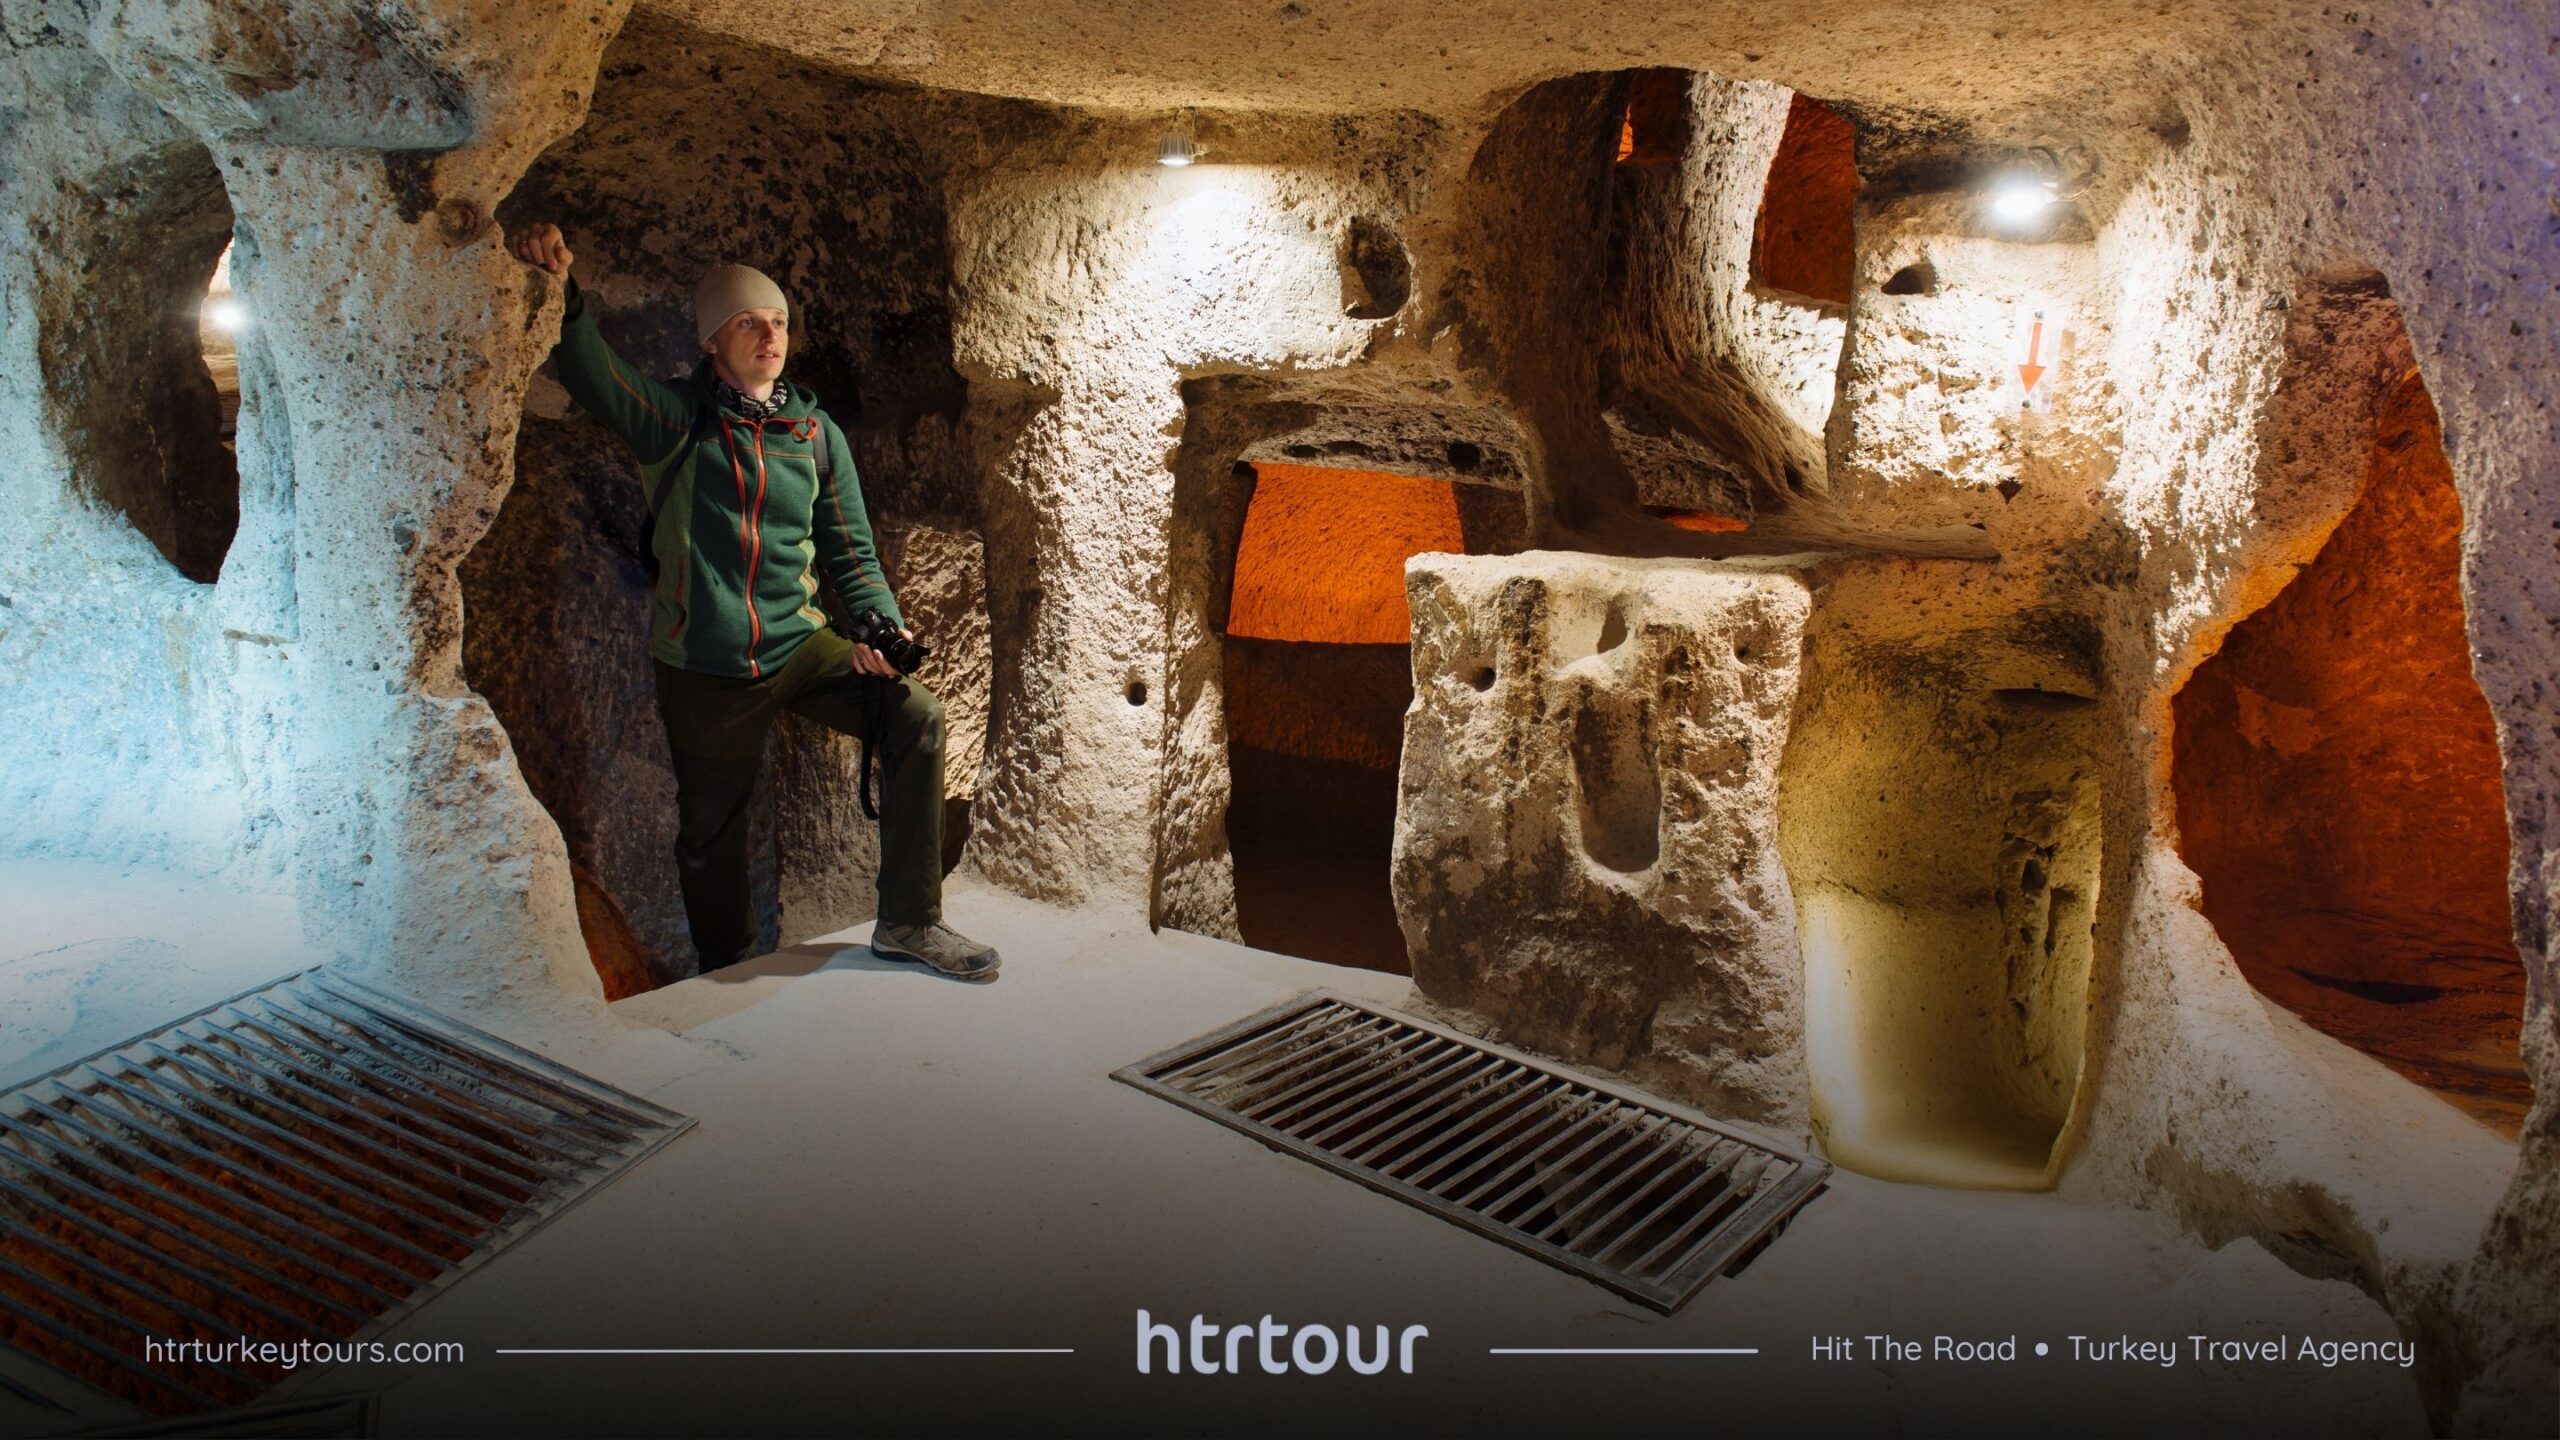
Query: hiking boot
point(947, 950)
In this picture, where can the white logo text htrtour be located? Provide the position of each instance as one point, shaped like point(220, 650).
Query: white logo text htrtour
point(1312, 1349)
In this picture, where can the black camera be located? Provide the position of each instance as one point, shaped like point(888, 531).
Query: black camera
point(881, 633)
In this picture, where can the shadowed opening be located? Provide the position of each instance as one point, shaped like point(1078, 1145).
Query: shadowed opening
point(1657, 117)
point(132, 345)
point(1942, 837)
point(1319, 674)
point(2339, 788)
point(1806, 242)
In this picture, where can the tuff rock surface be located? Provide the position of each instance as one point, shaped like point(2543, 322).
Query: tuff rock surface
point(1585, 853)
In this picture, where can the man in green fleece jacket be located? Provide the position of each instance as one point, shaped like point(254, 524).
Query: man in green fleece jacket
point(760, 500)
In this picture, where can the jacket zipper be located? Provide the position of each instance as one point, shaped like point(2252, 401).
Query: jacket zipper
point(755, 562)
point(746, 525)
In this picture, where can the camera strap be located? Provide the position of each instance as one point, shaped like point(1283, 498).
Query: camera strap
point(870, 739)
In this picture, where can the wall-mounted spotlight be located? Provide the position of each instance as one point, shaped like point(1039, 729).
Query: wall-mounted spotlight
point(2021, 198)
point(1176, 150)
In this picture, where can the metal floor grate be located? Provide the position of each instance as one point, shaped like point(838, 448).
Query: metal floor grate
point(311, 1160)
point(1646, 1200)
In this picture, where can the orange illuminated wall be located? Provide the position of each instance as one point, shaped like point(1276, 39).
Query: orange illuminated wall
point(1323, 552)
point(620, 959)
point(1318, 672)
point(1806, 242)
point(2338, 791)
point(1706, 522)
point(1657, 121)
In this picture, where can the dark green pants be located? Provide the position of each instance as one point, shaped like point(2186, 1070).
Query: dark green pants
point(716, 729)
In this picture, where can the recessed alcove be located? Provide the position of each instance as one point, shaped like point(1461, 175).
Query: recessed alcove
point(2339, 782)
point(1805, 244)
point(556, 633)
point(1657, 118)
point(1868, 833)
point(1318, 675)
point(132, 348)
point(1939, 816)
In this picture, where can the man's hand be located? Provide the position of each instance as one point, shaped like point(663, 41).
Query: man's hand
point(542, 247)
point(867, 661)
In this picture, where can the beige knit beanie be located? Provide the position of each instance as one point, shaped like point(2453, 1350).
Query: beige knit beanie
point(727, 289)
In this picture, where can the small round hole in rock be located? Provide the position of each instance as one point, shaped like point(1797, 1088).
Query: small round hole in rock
point(1377, 274)
point(1920, 279)
point(1465, 456)
point(1481, 677)
point(1613, 628)
point(1137, 692)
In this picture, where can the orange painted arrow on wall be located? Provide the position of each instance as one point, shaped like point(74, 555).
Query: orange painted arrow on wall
point(2031, 372)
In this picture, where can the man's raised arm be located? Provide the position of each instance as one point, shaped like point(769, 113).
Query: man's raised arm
point(651, 417)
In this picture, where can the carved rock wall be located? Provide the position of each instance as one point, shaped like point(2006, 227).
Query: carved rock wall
point(307, 715)
point(308, 710)
point(1585, 857)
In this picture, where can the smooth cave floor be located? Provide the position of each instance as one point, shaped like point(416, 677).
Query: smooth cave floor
point(889, 1160)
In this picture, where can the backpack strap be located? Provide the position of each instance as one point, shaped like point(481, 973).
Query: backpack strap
point(826, 451)
point(874, 697)
point(683, 457)
point(666, 486)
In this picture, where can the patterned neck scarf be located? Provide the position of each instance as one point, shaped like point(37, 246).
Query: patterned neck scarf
point(732, 398)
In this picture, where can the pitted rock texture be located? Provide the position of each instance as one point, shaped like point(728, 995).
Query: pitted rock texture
point(941, 580)
point(1585, 859)
point(1241, 266)
point(557, 640)
point(1710, 368)
point(2338, 790)
point(140, 396)
point(831, 186)
point(1975, 59)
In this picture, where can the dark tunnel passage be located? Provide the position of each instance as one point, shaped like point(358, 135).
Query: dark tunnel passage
point(2339, 785)
point(1319, 673)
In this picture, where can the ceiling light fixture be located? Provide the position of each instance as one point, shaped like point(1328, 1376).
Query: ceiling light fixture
point(2020, 198)
point(1176, 150)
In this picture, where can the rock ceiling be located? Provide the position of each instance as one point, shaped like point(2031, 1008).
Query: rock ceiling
point(2003, 67)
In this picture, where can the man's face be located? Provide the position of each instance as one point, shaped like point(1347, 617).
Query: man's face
point(751, 346)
